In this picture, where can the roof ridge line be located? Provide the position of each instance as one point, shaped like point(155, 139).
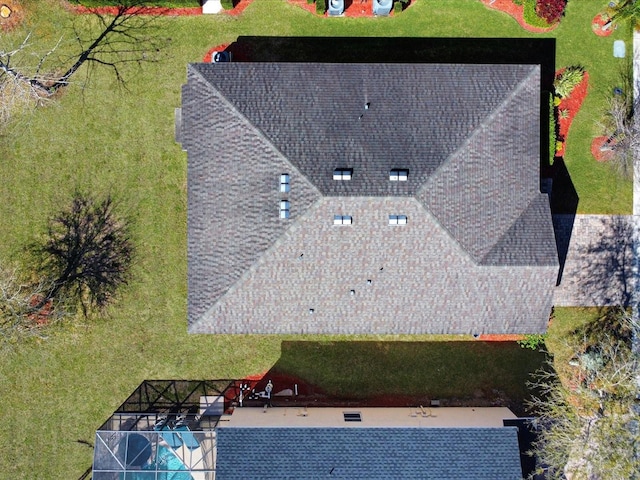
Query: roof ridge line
point(257, 129)
point(487, 121)
point(314, 206)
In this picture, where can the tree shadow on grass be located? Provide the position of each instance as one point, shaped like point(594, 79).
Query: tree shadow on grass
point(396, 373)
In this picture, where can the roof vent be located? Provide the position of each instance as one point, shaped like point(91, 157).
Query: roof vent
point(398, 175)
point(311, 311)
point(285, 184)
point(352, 292)
point(352, 416)
point(367, 105)
point(284, 209)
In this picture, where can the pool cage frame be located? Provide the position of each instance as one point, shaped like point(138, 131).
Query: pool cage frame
point(165, 430)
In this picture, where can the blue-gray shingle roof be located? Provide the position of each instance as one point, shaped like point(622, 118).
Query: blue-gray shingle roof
point(368, 453)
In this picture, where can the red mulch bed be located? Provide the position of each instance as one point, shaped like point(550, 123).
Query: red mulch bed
point(311, 395)
point(15, 16)
point(42, 316)
point(237, 10)
point(600, 155)
point(506, 337)
point(516, 11)
point(597, 24)
point(240, 52)
point(572, 105)
point(173, 12)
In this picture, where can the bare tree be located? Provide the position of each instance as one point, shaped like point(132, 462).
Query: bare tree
point(626, 10)
point(621, 126)
point(19, 317)
point(128, 36)
point(589, 424)
point(87, 254)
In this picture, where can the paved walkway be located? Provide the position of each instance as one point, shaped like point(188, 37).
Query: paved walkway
point(602, 251)
point(600, 261)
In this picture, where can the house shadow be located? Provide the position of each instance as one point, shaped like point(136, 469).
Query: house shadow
point(403, 50)
point(563, 200)
point(403, 374)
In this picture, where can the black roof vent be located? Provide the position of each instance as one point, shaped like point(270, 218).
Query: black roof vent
point(352, 416)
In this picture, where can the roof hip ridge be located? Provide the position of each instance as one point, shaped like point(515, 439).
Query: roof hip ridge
point(254, 127)
point(249, 271)
point(487, 121)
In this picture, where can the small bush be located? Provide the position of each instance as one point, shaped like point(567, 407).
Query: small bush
point(569, 79)
point(227, 4)
point(397, 6)
point(531, 17)
point(553, 129)
point(550, 10)
point(311, 1)
point(321, 6)
point(518, 2)
point(533, 341)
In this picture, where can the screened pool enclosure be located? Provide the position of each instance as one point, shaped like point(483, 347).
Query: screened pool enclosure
point(164, 431)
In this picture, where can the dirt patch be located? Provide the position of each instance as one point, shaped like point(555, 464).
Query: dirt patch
point(312, 396)
point(515, 11)
point(11, 14)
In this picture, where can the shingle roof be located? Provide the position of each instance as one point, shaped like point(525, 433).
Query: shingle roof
point(371, 453)
point(467, 134)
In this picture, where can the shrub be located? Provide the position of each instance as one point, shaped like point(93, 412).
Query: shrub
point(397, 6)
point(227, 4)
point(533, 341)
point(569, 79)
point(553, 132)
point(531, 17)
point(550, 10)
point(321, 6)
point(518, 2)
point(310, 1)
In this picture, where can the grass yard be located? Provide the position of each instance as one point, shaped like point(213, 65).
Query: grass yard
point(456, 370)
point(55, 393)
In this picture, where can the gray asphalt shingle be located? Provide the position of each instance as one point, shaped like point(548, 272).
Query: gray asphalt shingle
point(478, 252)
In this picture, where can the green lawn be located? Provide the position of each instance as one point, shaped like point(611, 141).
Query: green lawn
point(59, 391)
point(462, 370)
